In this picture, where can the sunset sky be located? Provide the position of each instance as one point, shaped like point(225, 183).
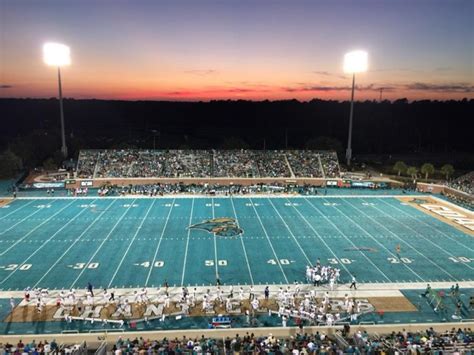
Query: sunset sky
point(203, 50)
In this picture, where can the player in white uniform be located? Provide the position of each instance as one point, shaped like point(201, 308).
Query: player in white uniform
point(241, 294)
point(255, 304)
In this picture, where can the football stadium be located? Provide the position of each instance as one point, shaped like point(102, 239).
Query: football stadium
point(197, 201)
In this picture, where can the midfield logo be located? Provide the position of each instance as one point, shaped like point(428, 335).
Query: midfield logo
point(222, 227)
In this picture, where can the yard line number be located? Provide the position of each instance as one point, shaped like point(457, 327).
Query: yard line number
point(13, 267)
point(80, 266)
point(342, 260)
point(282, 262)
point(460, 259)
point(146, 264)
point(219, 262)
point(400, 261)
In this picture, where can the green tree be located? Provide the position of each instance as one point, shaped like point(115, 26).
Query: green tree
point(400, 167)
point(427, 169)
point(447, 170)
point(412, 171)
point(10, 163)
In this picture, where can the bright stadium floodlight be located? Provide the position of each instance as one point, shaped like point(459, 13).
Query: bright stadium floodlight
point(58, 55)
point(354, 62)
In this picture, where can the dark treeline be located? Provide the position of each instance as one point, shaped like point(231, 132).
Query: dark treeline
point(398, 127)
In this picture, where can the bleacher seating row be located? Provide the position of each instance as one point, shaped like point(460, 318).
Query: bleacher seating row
point(207, 163)
point(459, 341)
point(463, 183)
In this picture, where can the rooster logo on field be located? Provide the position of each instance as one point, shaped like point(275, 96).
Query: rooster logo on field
point(222, 227)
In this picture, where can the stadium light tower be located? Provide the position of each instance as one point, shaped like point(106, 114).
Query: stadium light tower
point(354, 62)
point(58, 55)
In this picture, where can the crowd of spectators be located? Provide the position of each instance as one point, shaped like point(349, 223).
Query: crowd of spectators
point(208, 189)
point(149, 163)
point(464, 183)
point(272, 163)
point(234, 163)
point(460, 200)
point(305, 163)
point(116, 163)
point(187, 163)
point(41, 347)
point(87, 162)
point(457, 341)
point(131, 163)
point(330, 163)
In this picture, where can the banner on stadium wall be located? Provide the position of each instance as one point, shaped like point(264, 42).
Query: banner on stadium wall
point(362, 184)
point(86, 183)
point(70, 182)
point(331, 183)
point(48, 185)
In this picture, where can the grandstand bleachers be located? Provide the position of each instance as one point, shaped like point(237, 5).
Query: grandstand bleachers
point(345, 341)
point(464, 183)
point(207, 163)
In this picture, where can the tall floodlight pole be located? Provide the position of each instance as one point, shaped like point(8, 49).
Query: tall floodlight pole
point(58, 55)
point(354, 62)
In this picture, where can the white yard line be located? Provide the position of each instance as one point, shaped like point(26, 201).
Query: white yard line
point(422, 236)
point(348, 239)
point(269, 241)
point(19, 208)
point(101, 244)
point(428, 225)
point(291, 232)
point(404, 242)
point(215, 242)
point(321, 239)
point(72, 245)
point(187, 243)
point(376, 241)
point(242, 242)
point(159, 243)
point(24, 219)
point(130, 243)
point(43, 244)
point(35, 228)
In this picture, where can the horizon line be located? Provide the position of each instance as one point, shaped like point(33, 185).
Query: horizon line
point(239, 100)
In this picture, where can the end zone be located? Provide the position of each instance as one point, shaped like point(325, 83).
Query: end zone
point(5, 201)
point(444, 211)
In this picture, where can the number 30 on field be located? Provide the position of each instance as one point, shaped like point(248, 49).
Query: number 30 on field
point(79, 266)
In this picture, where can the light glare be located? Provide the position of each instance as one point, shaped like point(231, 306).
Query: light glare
point(56, 54)
point(355, 62)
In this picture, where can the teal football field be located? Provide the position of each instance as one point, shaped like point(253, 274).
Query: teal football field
point(126, 242)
